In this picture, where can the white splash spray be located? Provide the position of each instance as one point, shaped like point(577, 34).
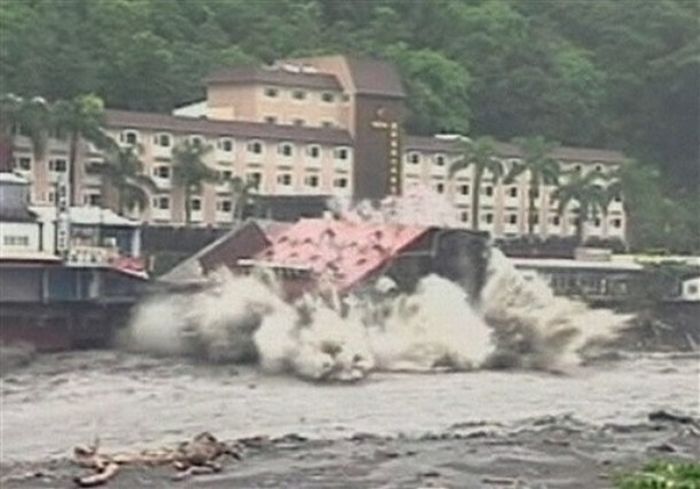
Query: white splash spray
point(519, 323)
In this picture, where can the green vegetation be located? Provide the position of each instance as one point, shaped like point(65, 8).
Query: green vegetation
point(620, 74)
point(190, 171)
point(662, 475)
point(123, 171)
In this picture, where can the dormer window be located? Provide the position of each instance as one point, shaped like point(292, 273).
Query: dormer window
point(327, 97)
point(299, 95)
point(271, 92)
point(255, 147)
point(285, 149)
point(284, 179)
point(413, 158)
point(225, 145)
point(197, 140)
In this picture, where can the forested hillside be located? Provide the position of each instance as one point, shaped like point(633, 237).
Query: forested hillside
point(620, 74)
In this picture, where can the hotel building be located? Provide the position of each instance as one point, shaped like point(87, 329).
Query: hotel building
point(321, 126)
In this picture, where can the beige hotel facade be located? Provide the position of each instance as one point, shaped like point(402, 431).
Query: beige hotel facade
point(322, 126)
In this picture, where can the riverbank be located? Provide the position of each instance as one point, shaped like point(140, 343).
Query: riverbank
point(560, 452)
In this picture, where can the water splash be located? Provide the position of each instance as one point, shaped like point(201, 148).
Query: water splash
point(518, 323)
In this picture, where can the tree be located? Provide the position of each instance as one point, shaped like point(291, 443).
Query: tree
point(542, 170)
point(190, 171)
point(587, 191)
point(480, 154)
point(241, 191)
point(123, 171)
point(28, 117)
point(80, 119)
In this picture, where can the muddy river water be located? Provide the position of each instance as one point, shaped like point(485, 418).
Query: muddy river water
point(131, 400)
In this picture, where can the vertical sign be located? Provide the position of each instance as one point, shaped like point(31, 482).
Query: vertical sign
point(394, 160)
point(62, 217)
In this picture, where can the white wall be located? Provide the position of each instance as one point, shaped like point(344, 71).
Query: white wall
point(19, 237)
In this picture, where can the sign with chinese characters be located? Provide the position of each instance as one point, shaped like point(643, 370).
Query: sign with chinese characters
point(392, 129)
point(62, 217)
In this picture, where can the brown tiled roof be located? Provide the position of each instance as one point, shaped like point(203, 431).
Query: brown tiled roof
point(274, 76)
point(566, 153)
point(192, 125)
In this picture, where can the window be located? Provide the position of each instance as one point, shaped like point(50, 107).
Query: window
point(226, 145)
point(535, 219)
point(224, 206)
point(58, 165)
point(341, 182)
point(487, 218)
point(314, 151)
point(617, 223)
point(197, 140)
point(535, 193)
point(440, 188)
point(327, 97)
point(255, 147)
point(129, 137)
point(599, 168)
point(225, 175)
point(617, 197)
point(254, 178)
point(512, 219)
point(24, 163)
point(464, 189)
point(195, 204)
point(162, 203)
point(488, 190)
point(285, 149)
point(464, 216)
point(51, 197)
point(163, 140)
point(341, 153)
point(298, 122)
point(513, 191)
point(596, 222)
point(92, 199)
point(271, 119)
point(94, 167)
point(284, 179)
point(346, 97)
point(414, 158)
point(327, 124)
point(298, 94)
point(440, 160)
point(555, 220)
point(311, 181)
point(271, 92)
point(577, 168)
point(12, 240)
point(161, 171)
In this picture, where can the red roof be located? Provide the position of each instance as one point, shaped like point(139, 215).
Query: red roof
point(342, 253)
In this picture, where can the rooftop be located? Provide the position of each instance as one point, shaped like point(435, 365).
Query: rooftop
point(194, 125)
point(87, 216)
point(274, 75)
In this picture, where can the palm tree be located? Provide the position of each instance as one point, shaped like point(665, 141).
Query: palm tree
point(543, 170)
point(587, 191)
point(240, 195)
point(81, 118)
point(123, 171)
point(190, 171)
point(481, 155)
point(30, 117)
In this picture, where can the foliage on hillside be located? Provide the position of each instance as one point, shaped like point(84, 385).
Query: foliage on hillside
point(621, 74)
point(661, 475)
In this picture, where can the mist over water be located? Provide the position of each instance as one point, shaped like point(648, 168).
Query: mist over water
point(517, 323)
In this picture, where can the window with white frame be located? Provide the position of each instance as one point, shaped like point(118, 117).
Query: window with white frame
point(285, 149)
point(23, 163)
point(163, 140)
point(440, 160)
point(197, 140)
point(464, 189)
point(225, 175)
point(513, 192)
point(271, 92)
point(617, 223)
point(15, 240)
point(413, 157)
point(284, 179)
point(440, 188)
point(93, 199)
point(487, 218)
point(512, 219)
point(129, 137)
point(162, 203)
point(554, 220)
point(313, 151)
point(311, 181)
point(225, 145)
point(58, 165)
point(341, 153)
point(161, 171)
point(298, 94)
point(488, 191)
point(327, 97)
point(255, 147)
point(195, 204)
point(254, 178)
point(340, 182)
point(224, 205)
